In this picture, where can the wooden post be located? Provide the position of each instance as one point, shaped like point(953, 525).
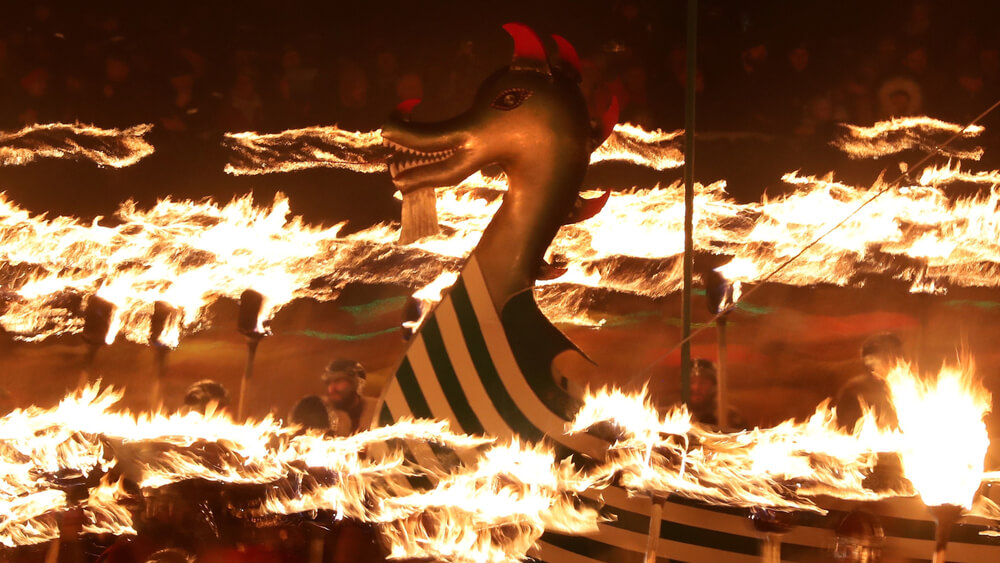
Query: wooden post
point(771, 549)
point(252, 343)
point(689, 107)
point(721, 400)
point(655, 518)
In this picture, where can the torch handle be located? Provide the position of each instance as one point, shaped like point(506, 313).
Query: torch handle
point(159, 372)
point(247, 374)
point(655, 519)
point(721, 399)
point(770, 551)
point(946, 515)
point(88, 365)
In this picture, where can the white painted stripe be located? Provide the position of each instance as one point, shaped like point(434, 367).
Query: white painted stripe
point(430, 387)
point(468, 377)
point(420, 450)
point(503, 358)
point(668, 549)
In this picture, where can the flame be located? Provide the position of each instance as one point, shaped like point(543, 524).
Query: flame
point(104, 512)
point(782, 467)
point(491, 501)
point(185, 254)
point(649, 149)
point(944, 438)
point(494, 511)
point(492, 506)
point(190, 254)
point(946, 174)
point(299, 149)
point(361, 151)
point(777, 467)
point(117, 148)
point(899, 134)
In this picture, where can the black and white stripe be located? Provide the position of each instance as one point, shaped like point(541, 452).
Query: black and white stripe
point(460, 367)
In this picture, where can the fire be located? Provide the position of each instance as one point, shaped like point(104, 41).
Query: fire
point(782, 467)
point(779, 467)
point(946, 174)
point(492, 506)
point(187, 255)
point(903, 133)
point(650, 149)
point(491, 501)
point(361, 151)
point(493, 511)
point(310, 147)
point(183, 254)
point(117, 148)
point(943, 453)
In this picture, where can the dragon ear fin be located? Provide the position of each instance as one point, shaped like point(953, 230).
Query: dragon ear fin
point(585, 208)
point(603, 127)
point(549, 272)
point(569, 55)
point(529, 53)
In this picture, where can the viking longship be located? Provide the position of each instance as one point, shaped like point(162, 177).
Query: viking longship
point(486, 359)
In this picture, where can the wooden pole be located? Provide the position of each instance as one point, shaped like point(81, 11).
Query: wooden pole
point(721, 403)
point(946, 516)
point(689, 109)
point(655, 519)
point(770, 551)
point(159, 372)
point(252, 343)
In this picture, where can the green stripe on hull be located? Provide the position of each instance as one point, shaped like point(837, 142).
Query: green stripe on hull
point(445, 373)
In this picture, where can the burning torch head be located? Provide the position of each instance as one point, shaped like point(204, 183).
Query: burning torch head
point(250, 323)
point(719, 292)
point(98, 321)
point(164, 320)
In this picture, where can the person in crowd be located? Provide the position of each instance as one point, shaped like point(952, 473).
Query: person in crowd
point(880, 353)
point(704, 405)
point(206, 392)
point(311, 414)
point(349, 410)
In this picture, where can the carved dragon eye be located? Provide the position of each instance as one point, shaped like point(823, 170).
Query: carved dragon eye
point(510, 99)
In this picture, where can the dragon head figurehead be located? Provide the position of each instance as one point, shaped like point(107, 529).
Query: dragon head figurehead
point(531, 120)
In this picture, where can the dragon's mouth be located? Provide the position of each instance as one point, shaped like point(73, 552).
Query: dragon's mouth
point(405, 159)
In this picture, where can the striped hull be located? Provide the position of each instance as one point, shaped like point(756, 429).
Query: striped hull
point(461, 368)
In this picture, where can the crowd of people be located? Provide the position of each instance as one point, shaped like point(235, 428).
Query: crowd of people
point(758, 70)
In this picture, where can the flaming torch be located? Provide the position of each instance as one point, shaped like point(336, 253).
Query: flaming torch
point(162, 337)
point(251, 324)
point(99, 328)
point(943, 461)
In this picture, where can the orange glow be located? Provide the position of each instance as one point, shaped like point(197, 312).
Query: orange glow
point(360, 151)
point(105, 147)
point(944, 440)
point(899, 134)
point(299, 149)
